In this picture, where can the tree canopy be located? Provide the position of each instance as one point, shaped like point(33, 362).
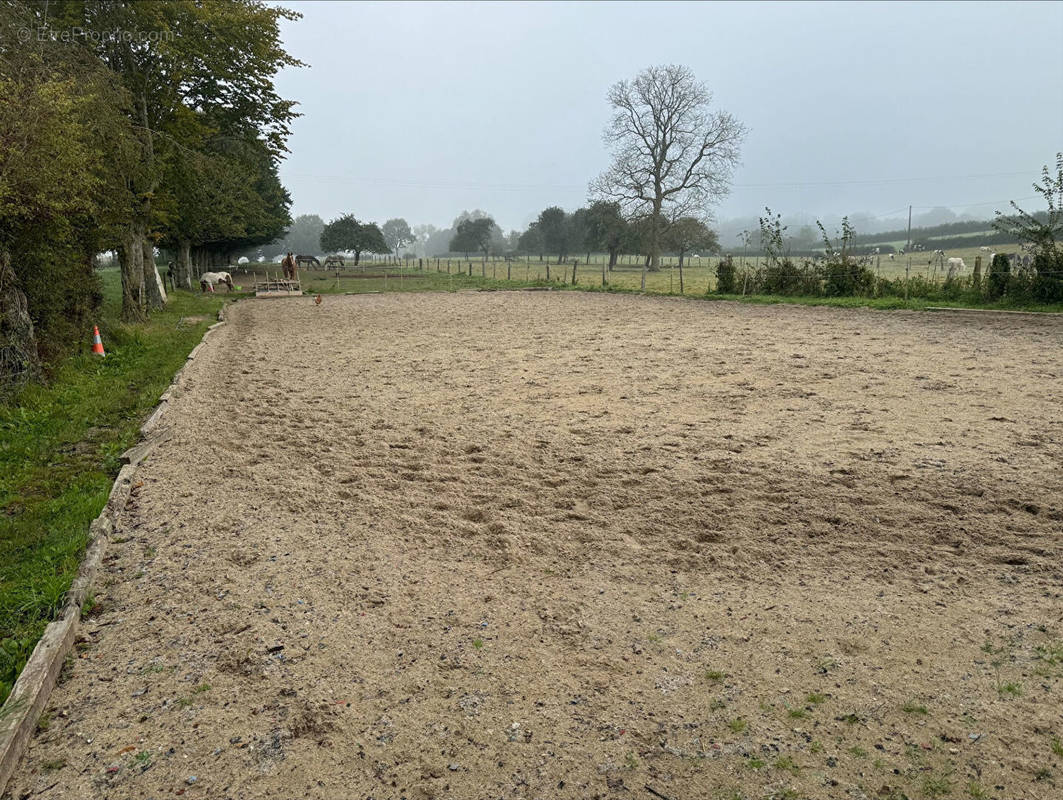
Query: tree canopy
point(346, 233)
point(673, 155)
point(397, 234)
point(473, 234)
point(168, 135)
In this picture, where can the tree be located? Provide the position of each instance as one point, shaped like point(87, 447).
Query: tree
point(473, 234)
point(397, 234)
point(605, 228)
point(303, 236)
point(672, 155)
point(422, 234)
point(347, 233)
point(555, 231)
point(61, 137)
point(531, 241)
point(579, 232)
point(687, 234)
point(215, 59)
point(1040, 234)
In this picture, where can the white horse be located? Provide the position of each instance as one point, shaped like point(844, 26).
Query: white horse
point(208, 280)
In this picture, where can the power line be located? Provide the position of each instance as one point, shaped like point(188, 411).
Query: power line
point(868, 181)
point(450, 185)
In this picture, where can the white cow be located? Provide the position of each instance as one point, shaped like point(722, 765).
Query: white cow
point(208, 280)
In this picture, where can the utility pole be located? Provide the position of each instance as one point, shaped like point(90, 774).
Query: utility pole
point(908, 246)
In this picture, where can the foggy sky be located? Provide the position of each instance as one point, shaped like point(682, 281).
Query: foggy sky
point(422, 110)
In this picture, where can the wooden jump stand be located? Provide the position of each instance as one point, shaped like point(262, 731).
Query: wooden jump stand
point(278, 287)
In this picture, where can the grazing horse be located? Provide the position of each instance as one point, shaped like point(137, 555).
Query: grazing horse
point(208, 280)
point(333, 261)
point(307, 261)
point(289, 267)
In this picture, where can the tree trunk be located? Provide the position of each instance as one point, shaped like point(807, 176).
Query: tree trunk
point(655, 238)
point(357, 255)
point(18, 342)
point(155, 294)
point(680, 272)
point(183, 278)
point(131, 259)
point(612, 259)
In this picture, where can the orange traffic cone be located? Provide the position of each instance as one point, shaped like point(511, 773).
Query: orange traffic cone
point(97, 342)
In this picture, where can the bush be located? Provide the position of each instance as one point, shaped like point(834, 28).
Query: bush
point(725, 276)
point(1048, 277)
point(786, 278)
point(999, 277)
point(846, 279)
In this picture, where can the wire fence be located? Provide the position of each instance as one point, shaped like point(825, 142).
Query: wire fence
point(907, 277)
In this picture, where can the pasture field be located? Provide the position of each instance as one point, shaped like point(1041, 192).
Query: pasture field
point(699, 274)
point(578, 545)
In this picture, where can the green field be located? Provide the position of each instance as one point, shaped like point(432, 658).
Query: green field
point(699, 277)
point(699, 273)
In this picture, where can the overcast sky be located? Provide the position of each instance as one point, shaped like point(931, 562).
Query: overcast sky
point(423, 110)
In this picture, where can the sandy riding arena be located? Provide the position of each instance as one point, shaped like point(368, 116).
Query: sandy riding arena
point(565, 545)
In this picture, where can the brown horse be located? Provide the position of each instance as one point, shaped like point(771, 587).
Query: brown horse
point(290, 269)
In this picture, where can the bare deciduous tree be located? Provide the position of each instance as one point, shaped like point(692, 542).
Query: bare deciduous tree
point(672, 154)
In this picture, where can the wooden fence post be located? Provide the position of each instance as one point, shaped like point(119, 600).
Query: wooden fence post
point(574, 263)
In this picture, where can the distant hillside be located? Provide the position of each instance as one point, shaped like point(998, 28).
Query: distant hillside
point(951, 235)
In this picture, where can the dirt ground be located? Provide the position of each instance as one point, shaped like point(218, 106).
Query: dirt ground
point(565, 545)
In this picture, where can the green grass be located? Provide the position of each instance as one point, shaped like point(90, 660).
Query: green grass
point(626, 279)
point(935, 786)
point(912, 707)
point(60, 444)
point(1010, 690)
point(786, 763)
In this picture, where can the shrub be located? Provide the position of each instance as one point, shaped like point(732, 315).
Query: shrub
point(845, 279)
point(999, 277)
point(785, 277)
point(1048, 277)
point(725, 276)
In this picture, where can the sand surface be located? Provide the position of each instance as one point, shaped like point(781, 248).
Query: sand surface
point(560, 545)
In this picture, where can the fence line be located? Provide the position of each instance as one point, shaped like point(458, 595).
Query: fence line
point(698, 276)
